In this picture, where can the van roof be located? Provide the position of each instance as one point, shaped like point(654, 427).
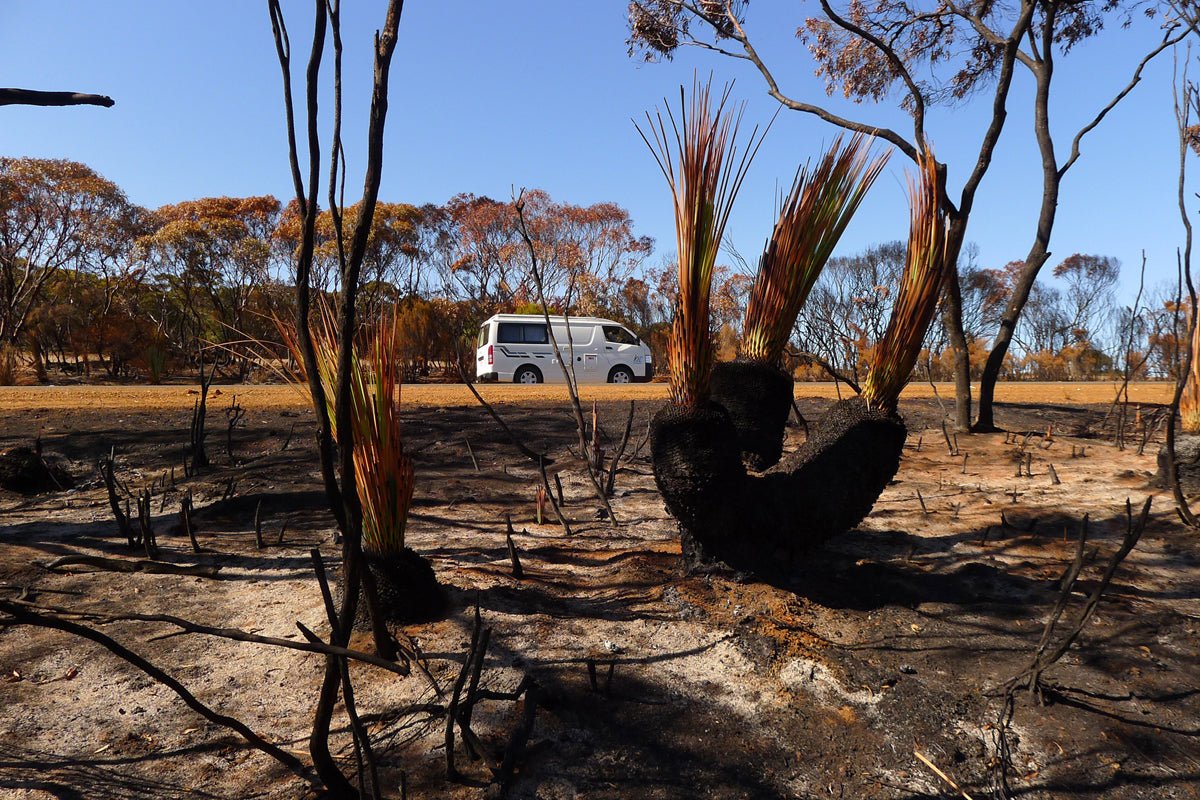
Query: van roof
point(553, 318)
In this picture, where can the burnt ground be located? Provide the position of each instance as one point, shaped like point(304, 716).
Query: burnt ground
point(892, 639)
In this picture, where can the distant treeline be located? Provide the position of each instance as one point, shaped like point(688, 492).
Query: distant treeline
point(94, 286)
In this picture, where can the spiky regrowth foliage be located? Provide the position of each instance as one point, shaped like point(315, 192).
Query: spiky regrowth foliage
point(811, 220)
point(699, 156)
point(920, 287)
point(1189, 401)
point(383, 474)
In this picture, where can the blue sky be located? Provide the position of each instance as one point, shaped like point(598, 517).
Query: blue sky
point(488, 96)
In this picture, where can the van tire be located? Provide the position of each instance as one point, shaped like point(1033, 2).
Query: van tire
point(527, 373)
point(620, 375)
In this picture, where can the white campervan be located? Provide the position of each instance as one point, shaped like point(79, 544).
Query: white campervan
point(517, 348)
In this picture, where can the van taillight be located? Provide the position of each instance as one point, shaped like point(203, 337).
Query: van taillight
point(491, 358)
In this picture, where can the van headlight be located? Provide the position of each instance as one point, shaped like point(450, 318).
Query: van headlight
point(647, 358)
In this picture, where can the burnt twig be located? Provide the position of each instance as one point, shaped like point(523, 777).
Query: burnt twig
point(185, 520)
point(562, 519)
point(110, 484)
point(1045, 656)
point(512, 437)
point(517, 571)
point(610, 484)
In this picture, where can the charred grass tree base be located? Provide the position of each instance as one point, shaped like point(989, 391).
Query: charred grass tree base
point(698, 470)
point(828, 486)
point(1187, 464)
point(763, 524)
point(758, 397)
point(407, 588)
point(23, 470)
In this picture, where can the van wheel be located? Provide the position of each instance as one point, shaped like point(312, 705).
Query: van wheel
point(620, 375)
point(527, 374)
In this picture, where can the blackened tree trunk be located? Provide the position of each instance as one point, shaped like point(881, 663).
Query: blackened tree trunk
point(1039, 253)
point(33, 97)
point(953, 318)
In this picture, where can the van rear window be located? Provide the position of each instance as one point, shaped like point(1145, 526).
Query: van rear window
point(522, 333)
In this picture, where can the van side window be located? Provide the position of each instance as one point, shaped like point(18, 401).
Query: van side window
point(522, 333)
point(581, 335)
point(509, 333)
point(536, 334)
point(617, 334)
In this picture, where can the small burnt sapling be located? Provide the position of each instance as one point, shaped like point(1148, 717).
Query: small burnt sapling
point(407, 588)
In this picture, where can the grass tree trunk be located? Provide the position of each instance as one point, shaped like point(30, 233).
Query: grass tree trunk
point(764, 523)
point(757, 396)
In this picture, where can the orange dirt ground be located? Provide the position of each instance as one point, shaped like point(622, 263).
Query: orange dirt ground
point(174, 396)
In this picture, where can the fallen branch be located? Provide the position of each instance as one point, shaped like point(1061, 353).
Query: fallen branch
point(525, 451)
point(22, 615)
point(942, 775)
point(103, 564)
point(189, 627)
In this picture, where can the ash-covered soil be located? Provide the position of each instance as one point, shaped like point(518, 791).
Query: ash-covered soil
point(892, 640)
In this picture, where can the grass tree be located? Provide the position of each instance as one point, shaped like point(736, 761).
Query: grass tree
point(383, 471)
point(762, 522)
point(692, 438)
